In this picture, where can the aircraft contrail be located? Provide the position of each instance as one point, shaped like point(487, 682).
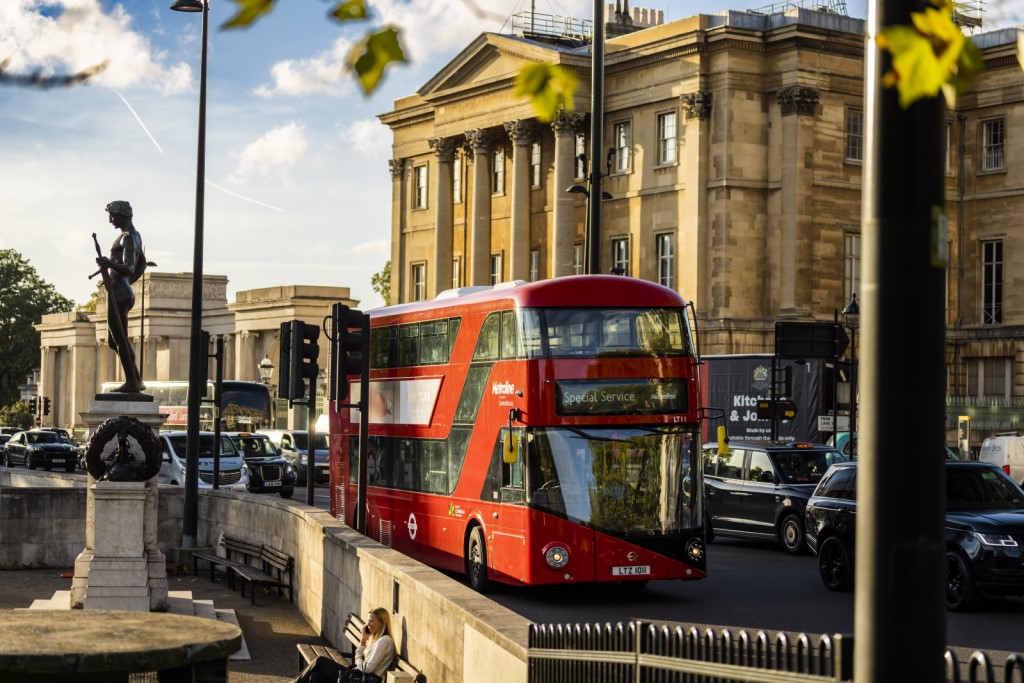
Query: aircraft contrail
point(139, 119)
point(211, 184)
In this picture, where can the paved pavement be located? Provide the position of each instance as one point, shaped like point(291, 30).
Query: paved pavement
point(271, 628)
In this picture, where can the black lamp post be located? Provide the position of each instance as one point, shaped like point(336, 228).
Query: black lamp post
point(197, 354)
point(591, 251)
point(851, 315)
point(142, 327)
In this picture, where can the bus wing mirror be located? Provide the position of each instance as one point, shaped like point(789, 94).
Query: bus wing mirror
point(510, 449)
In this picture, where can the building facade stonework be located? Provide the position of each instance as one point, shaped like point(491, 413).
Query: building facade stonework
point(76, 361)
point(734, 148)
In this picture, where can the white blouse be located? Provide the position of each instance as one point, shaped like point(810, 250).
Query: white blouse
point(376, 658)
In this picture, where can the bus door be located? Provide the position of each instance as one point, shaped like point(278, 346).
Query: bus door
point(505, 490)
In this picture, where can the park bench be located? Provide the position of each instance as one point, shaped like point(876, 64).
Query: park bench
point(237, 553)
point(400, 670)
point(275, 569)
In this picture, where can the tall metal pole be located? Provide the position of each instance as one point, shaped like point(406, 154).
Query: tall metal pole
point(197, 354)
point(900, 566)
point(593, 236)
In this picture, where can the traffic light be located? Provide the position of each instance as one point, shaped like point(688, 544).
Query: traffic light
point(284, 360)
point(351, 335)
point(33, 406)
point(305, 352)
point(46, 405)
point(784, 381)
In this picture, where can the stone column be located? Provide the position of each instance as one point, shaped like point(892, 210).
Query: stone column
point(798, 104)
point(396, 167)
point(481, 142)
point(47, 381)
point(247, 354)
point(523, 133)
point(692, 245)
point(444, 149)
point(565, 126)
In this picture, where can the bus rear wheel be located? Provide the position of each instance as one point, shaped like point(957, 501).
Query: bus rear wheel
point(476, 561)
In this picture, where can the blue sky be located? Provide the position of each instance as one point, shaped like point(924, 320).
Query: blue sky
point(298, 189)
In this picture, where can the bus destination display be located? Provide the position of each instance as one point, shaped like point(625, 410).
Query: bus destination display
point(620, 397)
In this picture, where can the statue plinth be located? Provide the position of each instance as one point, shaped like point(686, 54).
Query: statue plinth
point(121, 567)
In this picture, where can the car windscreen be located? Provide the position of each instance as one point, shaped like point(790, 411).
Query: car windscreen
point(804, 466)
point(227, 449)
point(255, 446)
point(981, 488)
point(43, 437)
point(301, 441)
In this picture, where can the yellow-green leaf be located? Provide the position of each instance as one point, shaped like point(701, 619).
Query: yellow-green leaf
point(350, 9)
point(550, 87)
point(372, 55)
point(930, 56)
point(248, 12)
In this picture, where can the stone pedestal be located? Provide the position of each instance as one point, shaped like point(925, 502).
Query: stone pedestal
point(121, 567)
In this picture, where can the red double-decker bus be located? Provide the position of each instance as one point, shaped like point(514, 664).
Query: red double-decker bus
point(541, 433)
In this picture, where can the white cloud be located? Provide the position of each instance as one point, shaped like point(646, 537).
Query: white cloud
point(74, 35)
point(324, 73)
point(278, 148)
point(429, 28)
point(369, 138)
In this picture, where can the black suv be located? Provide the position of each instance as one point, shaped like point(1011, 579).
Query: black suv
point(984, 531)
point(759, 490)
point(269, 471)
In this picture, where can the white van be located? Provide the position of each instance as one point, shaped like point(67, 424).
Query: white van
point(1005, 451)
point(234, 474)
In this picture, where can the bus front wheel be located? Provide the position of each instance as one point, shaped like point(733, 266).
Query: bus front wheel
point(476, 561)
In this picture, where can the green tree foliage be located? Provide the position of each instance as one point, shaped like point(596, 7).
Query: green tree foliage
point(381, 283)
point(16, 415)
point(94, 301)
point(24, 299)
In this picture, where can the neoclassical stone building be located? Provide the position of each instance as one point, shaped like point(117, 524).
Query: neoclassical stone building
point(76, 361)
point(734, 146)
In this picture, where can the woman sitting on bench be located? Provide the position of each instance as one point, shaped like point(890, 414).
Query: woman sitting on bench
point(373, 657)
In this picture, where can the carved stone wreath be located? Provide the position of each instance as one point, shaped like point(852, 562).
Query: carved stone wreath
point(123, 449)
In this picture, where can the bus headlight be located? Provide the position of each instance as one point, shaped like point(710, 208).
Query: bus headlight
point(556, 556)
point(695, 550)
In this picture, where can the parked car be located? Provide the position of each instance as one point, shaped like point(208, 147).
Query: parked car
point(4, 438)
point(984, 531)
point(10, 430)
point(234, 474)
point(39, 448)
point(66, 437)
point(294, 446)
point(1005, 451)
point(759, 490)
point(269, 471)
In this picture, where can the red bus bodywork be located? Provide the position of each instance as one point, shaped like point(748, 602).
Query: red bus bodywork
point(531, 535)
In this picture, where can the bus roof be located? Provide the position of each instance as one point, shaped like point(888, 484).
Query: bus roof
point(576, 291)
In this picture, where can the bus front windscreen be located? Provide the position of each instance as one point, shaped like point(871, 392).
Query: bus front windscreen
point(631, 481)
point(601, 332)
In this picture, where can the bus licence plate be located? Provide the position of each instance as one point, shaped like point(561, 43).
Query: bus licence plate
point(632, 570)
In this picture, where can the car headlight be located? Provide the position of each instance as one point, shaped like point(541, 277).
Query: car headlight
point(996, 540)
point(245, 469)
point(288, 468)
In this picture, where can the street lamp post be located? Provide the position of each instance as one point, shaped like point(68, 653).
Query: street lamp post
point(142, 327)
point(197, 354)
point(591, 251)
point(851, 315)
point(266, 369)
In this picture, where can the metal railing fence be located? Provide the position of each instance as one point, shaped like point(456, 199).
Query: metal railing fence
point(640, 652)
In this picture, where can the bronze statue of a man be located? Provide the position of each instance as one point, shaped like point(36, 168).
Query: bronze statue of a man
point(125, 265)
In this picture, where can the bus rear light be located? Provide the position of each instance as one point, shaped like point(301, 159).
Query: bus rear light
point(556, 556)
point(695, 550)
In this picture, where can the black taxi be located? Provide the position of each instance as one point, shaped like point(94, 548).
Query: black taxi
point(758, 490)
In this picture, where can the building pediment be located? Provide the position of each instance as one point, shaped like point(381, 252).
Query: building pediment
point(492, 59)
